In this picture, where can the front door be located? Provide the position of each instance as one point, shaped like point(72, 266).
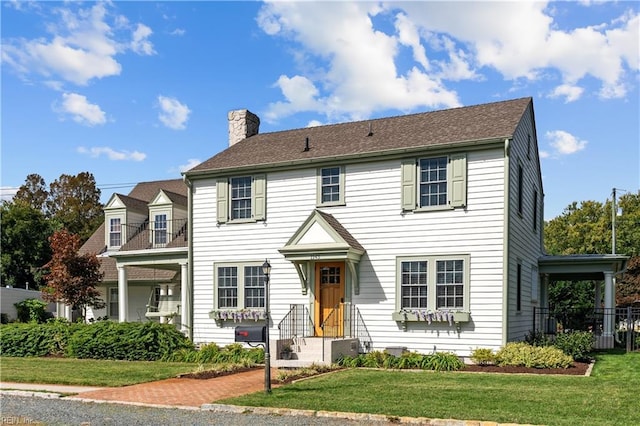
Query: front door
point(329, 294)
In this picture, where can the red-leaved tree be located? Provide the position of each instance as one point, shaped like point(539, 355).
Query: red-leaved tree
point(72, 278)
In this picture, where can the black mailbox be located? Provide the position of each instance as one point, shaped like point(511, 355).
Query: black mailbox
point(249, 334)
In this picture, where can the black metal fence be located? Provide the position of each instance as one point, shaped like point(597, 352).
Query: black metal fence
point(626, 322)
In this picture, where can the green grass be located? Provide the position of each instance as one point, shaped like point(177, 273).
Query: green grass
point(87, 372)
point(606, 398)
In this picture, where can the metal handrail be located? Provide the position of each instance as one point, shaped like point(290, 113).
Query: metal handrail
point(345, 321)
point(296, 323)
point(142, 236)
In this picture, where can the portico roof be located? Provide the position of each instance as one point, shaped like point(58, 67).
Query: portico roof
point(579, 267)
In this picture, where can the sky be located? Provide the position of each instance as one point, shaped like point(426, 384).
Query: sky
point(140, 91)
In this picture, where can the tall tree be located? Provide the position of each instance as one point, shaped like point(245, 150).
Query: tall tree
point(33, 192)
point(586, 228)
point(72, 278)
point(24, 242)
point(74, 201)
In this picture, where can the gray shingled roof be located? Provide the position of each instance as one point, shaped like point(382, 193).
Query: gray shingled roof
point(133, 203)
point(473, 123)
point(143, 192)
point(341, 230)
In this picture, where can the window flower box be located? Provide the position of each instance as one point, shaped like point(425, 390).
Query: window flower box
point(237, 315)
point(428, 316)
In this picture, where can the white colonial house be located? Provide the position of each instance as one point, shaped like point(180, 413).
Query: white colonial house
point(421, 231)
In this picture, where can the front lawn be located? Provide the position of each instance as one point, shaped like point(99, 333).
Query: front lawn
point(88, 372)
point(603, 399)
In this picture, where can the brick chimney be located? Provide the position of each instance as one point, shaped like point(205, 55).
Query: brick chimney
point(242, 124)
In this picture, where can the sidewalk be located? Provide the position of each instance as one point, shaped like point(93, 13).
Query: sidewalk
point(170, 392)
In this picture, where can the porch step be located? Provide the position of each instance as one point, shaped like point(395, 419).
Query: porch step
point(309, 350)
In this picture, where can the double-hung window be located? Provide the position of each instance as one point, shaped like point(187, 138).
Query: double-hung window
point(115, 232)
point(160, 230)
point(331, 186)
point(433, 183)
point(113, 302)
point(240, 286)
point(433, 283)
point(241, 199)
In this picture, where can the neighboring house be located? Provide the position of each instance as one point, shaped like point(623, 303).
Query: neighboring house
point(142, 247)
point(421, 231)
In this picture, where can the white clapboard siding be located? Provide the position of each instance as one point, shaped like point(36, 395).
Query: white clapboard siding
point(373, 215)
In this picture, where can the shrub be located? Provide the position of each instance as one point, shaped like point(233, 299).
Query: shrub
point(523, 354)
point(147, 341)
point(442, 361)
point(34, 339)
point(538, 338)
point(32, 310)
point(483, 356)
point(211, 353)
point(439, 361)
point(577, 344)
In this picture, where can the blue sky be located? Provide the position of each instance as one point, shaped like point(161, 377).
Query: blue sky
point(139, 91)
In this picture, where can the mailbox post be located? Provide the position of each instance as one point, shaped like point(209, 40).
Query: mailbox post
point(266, 270)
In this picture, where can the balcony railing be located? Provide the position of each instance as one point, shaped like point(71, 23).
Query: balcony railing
point(144, 236)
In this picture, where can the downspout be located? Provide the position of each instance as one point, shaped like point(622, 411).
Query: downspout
point(190, 253)
point(506, 256)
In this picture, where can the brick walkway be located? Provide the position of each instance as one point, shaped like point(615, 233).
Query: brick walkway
point(183, 392)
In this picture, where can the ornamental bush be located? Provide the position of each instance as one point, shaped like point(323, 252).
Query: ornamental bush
point(577, 344)
point(211, 353)
point(32, 310)
point(483, 356)
point(33, 339)
point(439, 361)
point(131, 341)
point(525, 355)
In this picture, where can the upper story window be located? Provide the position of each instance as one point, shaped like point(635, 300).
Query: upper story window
point(241, 199)
point(160, 229)
point(331, 186)
point(240, 286)
point(520, 188)
point(115, 232)
point(434, 182)
point(433, 283)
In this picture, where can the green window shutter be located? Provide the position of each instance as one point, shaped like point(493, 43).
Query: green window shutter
point(259, 195)
point(458, 180)
point(222, 198)
point(408, 172)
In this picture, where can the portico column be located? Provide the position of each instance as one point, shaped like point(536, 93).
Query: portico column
point(164, 291)
point(185, 302)
point(609, 310)
point(123, 292)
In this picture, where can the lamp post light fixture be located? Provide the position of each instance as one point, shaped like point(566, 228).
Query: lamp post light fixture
point(266, 271)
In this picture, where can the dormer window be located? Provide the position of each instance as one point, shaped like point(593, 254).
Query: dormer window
point(160, 230)
point(115, 232)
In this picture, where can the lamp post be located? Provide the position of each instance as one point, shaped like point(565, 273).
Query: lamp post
point(266, 271)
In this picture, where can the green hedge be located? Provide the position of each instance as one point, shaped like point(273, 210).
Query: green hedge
point(438, 361)
point(132, 341)
point(146, 341)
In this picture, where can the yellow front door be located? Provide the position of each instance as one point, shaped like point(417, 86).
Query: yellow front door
point(329, 294)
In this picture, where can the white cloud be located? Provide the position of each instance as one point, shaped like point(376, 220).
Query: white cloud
point(356, 73)
point(82, 46)
point(528, 42)
point(81, 110)
point(178, 32)
point(140, 43)
point(112, 154)
point(7, 192)
point(569, 92)
point(564, 143)
point(173, 114)
point(191, 163)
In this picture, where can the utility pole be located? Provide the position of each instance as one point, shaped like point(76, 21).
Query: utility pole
point(613, 223)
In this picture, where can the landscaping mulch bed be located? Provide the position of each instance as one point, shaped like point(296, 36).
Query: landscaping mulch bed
point(212, 374)
point(577, 369)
